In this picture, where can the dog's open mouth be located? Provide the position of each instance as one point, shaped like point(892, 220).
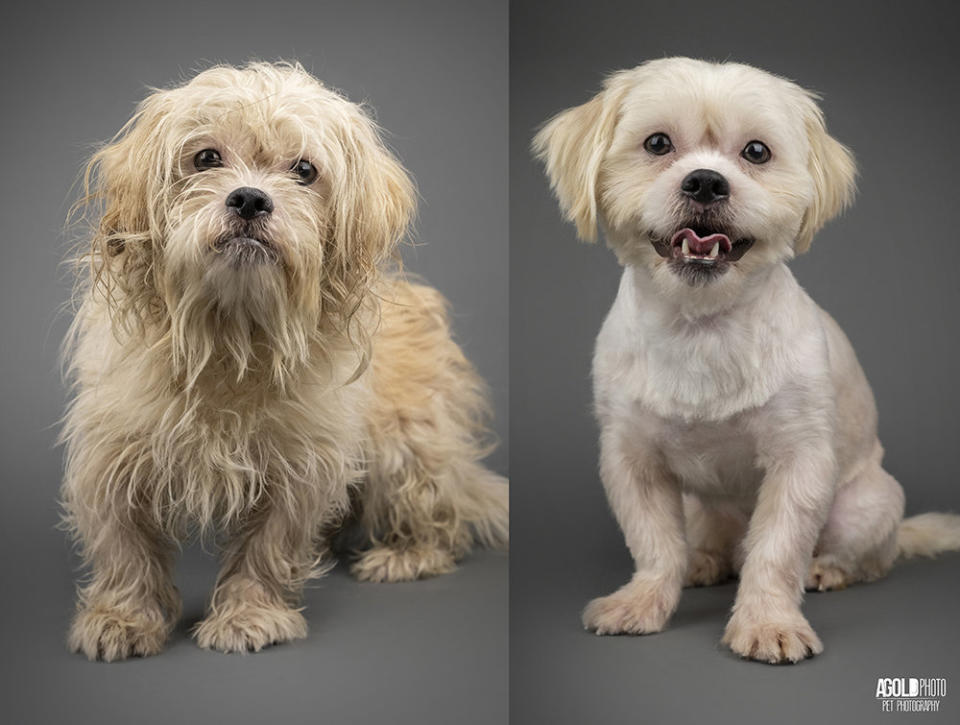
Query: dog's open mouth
point(699, 245)
point(701, 251)
point(244, 250)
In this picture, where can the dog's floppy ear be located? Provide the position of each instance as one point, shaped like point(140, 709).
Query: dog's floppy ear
point(372, 203)
point(572, 146)
point(832, 166)
point(123, 183)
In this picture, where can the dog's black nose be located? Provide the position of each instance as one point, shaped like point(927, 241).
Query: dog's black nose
point(705, 186)
point(249, 202)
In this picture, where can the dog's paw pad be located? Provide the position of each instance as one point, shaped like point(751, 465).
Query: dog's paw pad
point(385, 564)
point(825, 576)
point(706, 569)
point(113, 633)
point(773, 642)
point(250, 629)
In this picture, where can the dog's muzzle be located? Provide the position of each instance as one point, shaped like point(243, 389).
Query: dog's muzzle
point(243, 250)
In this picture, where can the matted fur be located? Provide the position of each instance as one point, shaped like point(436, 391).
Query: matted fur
point(738, 431)
point(245, 395)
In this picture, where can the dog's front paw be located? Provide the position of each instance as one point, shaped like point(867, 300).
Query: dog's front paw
point(756, 638)
point(384, 564)
point(825, 575)
point(706, 568)
point(640, 607)
point(111, 633)
point(249, 628)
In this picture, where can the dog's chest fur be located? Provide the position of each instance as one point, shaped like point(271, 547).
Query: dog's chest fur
point(712, 459)
point(219, 450)
point(698, 390)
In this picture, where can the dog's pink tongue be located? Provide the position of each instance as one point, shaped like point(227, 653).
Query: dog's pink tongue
point(701, 245)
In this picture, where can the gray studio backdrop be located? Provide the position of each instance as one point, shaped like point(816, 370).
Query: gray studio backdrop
point(885, 271)
point(435, 72)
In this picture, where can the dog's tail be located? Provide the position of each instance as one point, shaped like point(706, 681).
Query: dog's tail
point(928, 534)
point(483, 502)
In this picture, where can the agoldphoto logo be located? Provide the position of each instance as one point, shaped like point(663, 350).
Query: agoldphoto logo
point(911, 694)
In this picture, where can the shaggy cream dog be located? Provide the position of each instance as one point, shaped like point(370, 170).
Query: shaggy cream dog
point(738, 430)
point(245, 363)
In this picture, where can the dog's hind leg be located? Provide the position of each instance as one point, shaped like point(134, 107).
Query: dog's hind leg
point(714, 533)
point(427, 499)
point(859, 541)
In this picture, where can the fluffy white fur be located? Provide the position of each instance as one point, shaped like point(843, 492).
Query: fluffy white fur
point(738, 429)
point(259, 378)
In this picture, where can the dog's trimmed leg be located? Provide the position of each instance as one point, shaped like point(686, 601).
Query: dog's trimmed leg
point(792, 503)
point(130, 605)
point(714, 531)
point(254, 603)
point(647, 503)
point(859, 541)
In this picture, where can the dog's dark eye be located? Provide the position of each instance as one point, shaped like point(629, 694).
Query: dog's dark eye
point(658, 144)
point(306, 171)
point(207, 159)
point(756, 152)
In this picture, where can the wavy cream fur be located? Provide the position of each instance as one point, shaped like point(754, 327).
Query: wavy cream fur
point(738, 432)
point(248, 398)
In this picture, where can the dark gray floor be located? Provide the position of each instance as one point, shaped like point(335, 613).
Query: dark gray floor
point(426, 652)
point(904, 625)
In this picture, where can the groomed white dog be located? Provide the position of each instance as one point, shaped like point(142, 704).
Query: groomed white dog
point(244, 358)
point(739, 434)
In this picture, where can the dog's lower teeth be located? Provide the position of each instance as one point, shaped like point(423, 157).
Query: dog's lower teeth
point(689, 256)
